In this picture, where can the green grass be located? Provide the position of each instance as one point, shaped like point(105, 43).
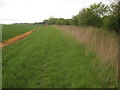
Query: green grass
point(0, 68)
point(9, 31)
point(49, 59)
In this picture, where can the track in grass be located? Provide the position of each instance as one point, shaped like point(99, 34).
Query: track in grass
point(49, 59)
point(16, 38)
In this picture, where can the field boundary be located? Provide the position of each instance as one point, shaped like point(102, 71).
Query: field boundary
point(16, 38)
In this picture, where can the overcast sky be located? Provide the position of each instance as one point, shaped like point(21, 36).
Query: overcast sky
point(15, 11)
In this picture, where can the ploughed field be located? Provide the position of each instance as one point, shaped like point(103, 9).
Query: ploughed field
point(49, 58)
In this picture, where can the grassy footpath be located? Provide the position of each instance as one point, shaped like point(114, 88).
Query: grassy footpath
point(9, 31)
point(47, 58)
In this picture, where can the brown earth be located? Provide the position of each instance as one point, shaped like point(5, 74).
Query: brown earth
point(14, 39)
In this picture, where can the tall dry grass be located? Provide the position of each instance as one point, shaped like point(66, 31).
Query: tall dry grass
point(104, 43)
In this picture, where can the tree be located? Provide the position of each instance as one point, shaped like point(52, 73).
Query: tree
point(52, 20)
point(61, 21)
point(92, 16)
point(111, 21)
point(99, 9)
point(97, 15)
point(74, 20)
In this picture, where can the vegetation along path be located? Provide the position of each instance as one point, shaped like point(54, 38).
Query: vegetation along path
point(48, 58)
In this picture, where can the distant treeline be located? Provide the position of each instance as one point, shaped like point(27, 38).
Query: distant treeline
point(97, 15)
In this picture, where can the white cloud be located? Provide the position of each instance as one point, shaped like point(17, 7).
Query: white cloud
point(37, 10)
point(2, 4)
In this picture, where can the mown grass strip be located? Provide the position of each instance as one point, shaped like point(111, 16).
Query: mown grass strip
point(47, 58)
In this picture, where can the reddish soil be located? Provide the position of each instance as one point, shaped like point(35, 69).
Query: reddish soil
point(14, 39)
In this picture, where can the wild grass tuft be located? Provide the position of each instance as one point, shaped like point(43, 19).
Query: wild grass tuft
point(103, 42)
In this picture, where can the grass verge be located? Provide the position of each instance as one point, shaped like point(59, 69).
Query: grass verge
point(104, 43)
point(48, 59)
